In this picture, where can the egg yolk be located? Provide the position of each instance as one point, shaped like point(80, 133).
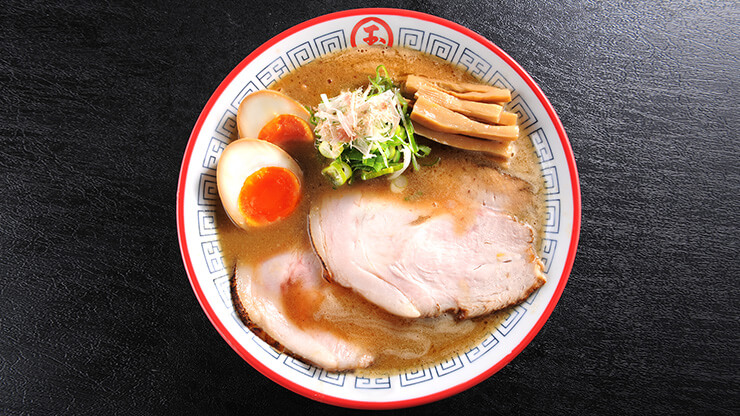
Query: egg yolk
point(286, 128)
point(270, 194)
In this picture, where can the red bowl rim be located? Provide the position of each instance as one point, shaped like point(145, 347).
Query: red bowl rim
point(325, 398)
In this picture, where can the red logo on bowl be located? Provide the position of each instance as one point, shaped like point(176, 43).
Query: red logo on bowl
point(371, 31)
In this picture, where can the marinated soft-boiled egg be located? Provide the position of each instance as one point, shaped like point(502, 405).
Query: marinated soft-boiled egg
point(286, 129)
point(260, 108)
point(258, 182)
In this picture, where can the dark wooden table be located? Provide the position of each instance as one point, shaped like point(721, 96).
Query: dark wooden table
point(98, 101)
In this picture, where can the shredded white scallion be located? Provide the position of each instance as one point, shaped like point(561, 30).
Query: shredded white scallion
point(353, 117)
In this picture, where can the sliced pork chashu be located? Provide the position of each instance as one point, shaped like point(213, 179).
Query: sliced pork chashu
point(281, 295)
point(416, 260)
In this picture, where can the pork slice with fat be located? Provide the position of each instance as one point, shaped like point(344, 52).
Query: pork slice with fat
point(417, 261)
point(279, 295)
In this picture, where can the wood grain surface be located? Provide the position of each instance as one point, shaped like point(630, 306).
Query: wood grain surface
point(97, 103)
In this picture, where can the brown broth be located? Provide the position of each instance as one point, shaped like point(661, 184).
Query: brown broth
point(398, 343)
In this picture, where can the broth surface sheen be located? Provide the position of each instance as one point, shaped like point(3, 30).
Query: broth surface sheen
point(399, 344)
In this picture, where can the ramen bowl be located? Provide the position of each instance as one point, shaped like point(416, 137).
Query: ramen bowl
point(198, 202)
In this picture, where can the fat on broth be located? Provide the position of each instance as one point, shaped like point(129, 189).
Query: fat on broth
point(398, 343)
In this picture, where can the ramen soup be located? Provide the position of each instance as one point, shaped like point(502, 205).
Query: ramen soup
point(397, 343)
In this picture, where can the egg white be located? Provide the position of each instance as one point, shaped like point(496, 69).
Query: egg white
point(259, 108)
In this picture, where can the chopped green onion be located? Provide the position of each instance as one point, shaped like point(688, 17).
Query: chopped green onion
point(399, 184)
point(390, 152)
point(429, 164)
point(338, 172)
point(371, 175)
point(329, 151)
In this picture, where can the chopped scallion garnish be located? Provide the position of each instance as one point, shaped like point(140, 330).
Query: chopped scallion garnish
point(367, 133)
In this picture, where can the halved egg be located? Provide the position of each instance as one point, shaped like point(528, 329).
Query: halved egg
point(258, 182)
point(286, 129)
point(259, 108)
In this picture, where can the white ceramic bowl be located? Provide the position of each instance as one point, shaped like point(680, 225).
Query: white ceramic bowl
point(197, 199)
